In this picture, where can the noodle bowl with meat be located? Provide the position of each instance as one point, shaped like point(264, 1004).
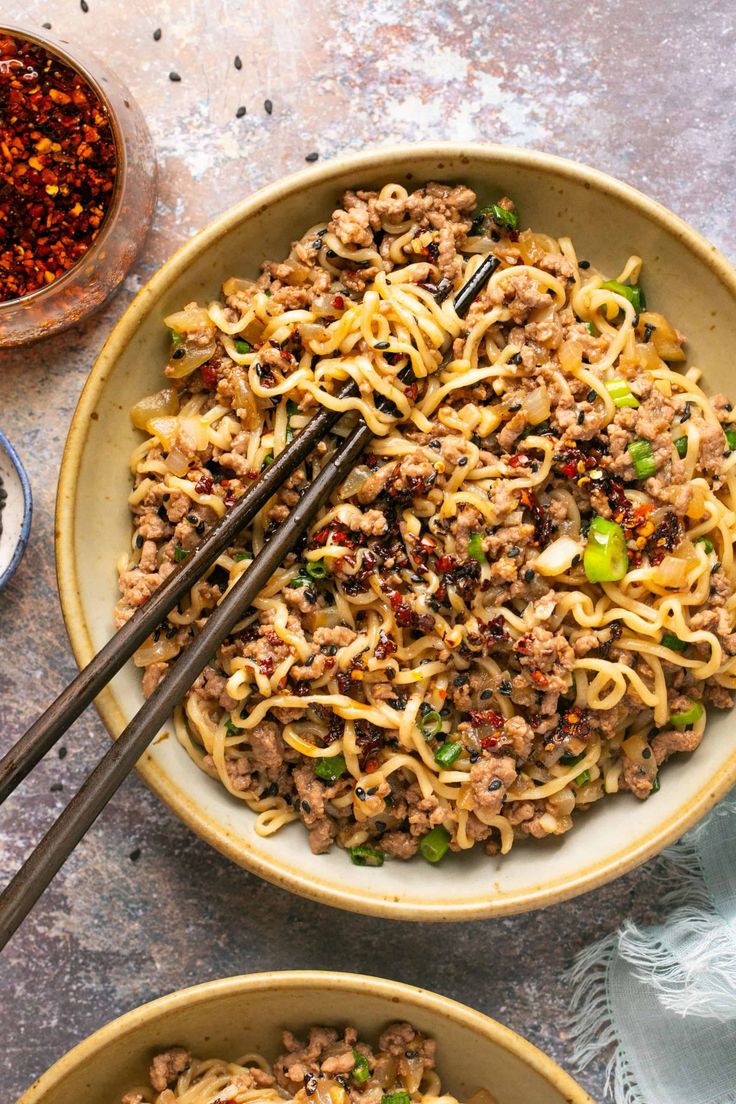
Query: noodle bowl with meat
point(518, 603)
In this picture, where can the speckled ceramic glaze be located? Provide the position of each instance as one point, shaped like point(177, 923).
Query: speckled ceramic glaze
point(15, 510)
point(684, 276)
point(244, 1014)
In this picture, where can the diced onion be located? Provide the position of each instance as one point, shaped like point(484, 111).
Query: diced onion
point(163, 403)
point(194, 357)
point(155, 652)
point(671, 572)
point(354, 481)
point(571, 356)
point(533, 246)
point(244, 401)
point(536, 405)
point(177, 462)
point(558, 556)
point(663, 335)
point(696, 506)
point(164, 428)
point(235, 284)
point(634, 748)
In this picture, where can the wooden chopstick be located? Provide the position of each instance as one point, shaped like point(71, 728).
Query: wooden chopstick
point(29, 882)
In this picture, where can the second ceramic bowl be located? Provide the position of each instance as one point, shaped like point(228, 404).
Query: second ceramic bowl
point(239, 1015)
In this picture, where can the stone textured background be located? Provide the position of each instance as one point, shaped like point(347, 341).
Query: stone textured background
point(643, 91)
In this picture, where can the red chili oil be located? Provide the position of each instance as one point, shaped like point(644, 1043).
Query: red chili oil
point(58, 163)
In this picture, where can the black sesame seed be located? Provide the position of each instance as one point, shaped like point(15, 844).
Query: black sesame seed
point(56, 787)
point(174, 76)
point(529, 575)
point(474, 756)
point(135, 854)
point(306, 807)
point(237, 62)
point(62, 753)
point(513, 552)
point(46, 26)
point(583, 264)
point(581, 417)
point(139, 541)
point(485, 695)
point(515, 359)
point(313, 156)
point(592, 396)
point(646, 753)
point(435, 444)
point(157, 35)
point(505, 688)
point(382, 344)
point(240, 112)
point(462, 461)
point(267, 106)
point(84, 5)
point(495, 785)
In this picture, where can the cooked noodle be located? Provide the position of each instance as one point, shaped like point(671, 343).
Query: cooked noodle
point(442, 636)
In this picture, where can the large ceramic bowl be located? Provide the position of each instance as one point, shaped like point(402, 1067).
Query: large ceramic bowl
point(238, 1015)
point(684, 276)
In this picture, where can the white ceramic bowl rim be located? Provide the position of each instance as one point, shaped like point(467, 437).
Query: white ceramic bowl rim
point(329, 888)
point(25, 525)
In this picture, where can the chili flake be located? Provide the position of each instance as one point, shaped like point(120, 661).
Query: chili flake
point(57, 167)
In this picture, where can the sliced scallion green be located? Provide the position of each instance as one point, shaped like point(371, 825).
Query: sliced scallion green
point(242, 346)
point(685, 717)
point(706, 543)
point(571, 760)
point(231, 729)
point(176, 338)
point(291, 409)
point(621, 393)
point(430, 724)
point(669, 640)
point(731, 438)
point(642, 457)
point(267, 461)
point(433, 846)
point(330, 768)
point(502, 217)
point(475, 549)
point(239, 556)
point(605, 558)
point(582, 778)
point(361, 1070)
point(366, 856)
point(316, 569)
point(180, 554)
point(448, 754)
point(681, 446)
point(633, 292)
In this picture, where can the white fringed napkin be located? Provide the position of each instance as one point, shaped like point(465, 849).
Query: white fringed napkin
point(664, 998)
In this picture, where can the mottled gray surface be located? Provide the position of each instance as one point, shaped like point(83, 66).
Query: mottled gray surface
point(642, 91)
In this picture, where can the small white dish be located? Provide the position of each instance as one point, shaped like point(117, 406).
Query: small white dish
point(16, 510)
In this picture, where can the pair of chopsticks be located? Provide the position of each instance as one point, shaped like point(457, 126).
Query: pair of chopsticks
point(32, 878)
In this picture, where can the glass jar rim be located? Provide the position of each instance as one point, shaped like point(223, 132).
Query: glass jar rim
point(57, 46)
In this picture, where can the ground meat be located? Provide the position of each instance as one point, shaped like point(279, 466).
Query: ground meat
point(490, 778)
point(468, 522)
point(671, 740)
point(210, 686)
point(370, 522)
point(410, 477)
point(713, 445)
point(639, 777)
point(651, 421)
point(512, 430)
point(267, 747)
point(341, 635)
point(320, 836)
point(166, 1067)
point(400, 845)
point(352, 227)
point(519, 294)
point(152, 676)
point(719, 696)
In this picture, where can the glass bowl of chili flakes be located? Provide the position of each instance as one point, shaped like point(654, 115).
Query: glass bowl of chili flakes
point(77, 185)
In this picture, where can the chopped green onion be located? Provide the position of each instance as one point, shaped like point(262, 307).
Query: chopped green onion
point(687, 717)
point(316, 570)
point(361, 1070)
point(240, 556)
point(291, 409)
point(475, 549)
point(731, 438)
point(502, 217)
point(605, 558)
point(231, 729)
point(592, 330)
point(300, 581)
point(430, 724)
point(655, 785)
point(571, 760)
point(620, 392)
point(634, 293)
point(433, 846)
point(398, 1097)
point(448, 754)
point(706, 543)
point(180, 554)
point(366, 856)
point(542, 427)
point(267, 461)
point(669, 640)
point(642, 457)
point(582, 778)
point(176, 338)
point(330, 768)
point(242, 346)
point(681, 446)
